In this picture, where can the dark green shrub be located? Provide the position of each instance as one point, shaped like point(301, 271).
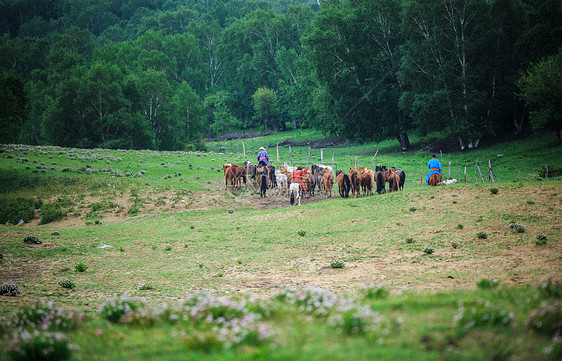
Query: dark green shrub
point(486, 284)
point(547, 319)
point(80, 267)
point(494, 190)
point(40, 345)
point(66, 283)
point(482, 235)
point(12, 210)
point(51, 212)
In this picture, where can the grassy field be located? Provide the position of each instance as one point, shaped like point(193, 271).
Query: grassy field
point(272, 293)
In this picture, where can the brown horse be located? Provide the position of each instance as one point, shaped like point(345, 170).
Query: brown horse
point(393, 180)
point(355, 182)
point(327, 182)
point(310, 182)
point(434, 179)
point(229, 176)
point(240, 174)
point(344, 184)
point(366, 184)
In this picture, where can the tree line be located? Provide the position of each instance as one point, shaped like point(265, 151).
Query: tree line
point(165, 74)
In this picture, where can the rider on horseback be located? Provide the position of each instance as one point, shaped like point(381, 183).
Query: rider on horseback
point(434, 167)
point(263, 157)
point(297, 177)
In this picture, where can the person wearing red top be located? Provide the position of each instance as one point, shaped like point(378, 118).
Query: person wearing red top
point(297, 176)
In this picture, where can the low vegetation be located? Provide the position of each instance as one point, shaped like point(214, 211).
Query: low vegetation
point(315, 282)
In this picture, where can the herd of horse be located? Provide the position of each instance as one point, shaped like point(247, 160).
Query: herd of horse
point(320, 179)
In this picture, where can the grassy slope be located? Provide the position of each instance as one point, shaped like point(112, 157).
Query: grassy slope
point(229, 252)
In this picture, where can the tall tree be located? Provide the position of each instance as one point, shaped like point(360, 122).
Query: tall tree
point(448, 66)
point(541, 88)
point(265, 105)
point(354, 49)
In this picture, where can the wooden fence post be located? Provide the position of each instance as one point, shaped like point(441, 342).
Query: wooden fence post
point(459, 174)
point(490, 176)
point(421, 177)
point(333, 157)
point(546, 172)
point(278, 152)
point(480, 174)
point(464, 175)
point(449, 175)
point(244, 148)
point(321, 155)
point(356, 161)
point(291, 155)
point(237, 147)
point(308, 157)
point(518, 173)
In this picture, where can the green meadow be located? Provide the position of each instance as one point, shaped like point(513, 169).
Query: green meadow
point(178, 267)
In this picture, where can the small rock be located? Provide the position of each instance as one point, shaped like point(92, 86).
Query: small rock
point(32, 239)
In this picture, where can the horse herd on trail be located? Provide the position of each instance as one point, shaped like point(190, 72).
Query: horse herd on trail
point(321, 178)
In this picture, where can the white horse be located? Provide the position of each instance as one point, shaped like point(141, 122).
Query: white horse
point(289, 168)
point(330, 169)
point(281, 182)
point(295, 191)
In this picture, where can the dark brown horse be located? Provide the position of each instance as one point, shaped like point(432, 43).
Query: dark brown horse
point(380, 179)
point(262, 175)
point(434, 179)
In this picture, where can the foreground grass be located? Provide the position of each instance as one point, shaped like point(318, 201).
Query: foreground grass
point(175, 229)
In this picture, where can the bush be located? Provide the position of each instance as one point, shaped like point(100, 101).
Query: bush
point(301, 232)
point(43, 315)
point(409, 240)
point(114, 308)
point(40, 345)
point(354, 319)
point(51, 212)
point(486, 284)
point(9, 289)
point(541, 239)
point(482, 235)
point(547, 319)
point(482, 314)
point(373, 292)
point(66, 283)
point(551, 289)
point(517, 227)
point(337, 263)
point(494, 190)
point(460, 226)
point(12, 210)
point(428, 250)
point(80, 267)
point(455, 244)
point(144, 286)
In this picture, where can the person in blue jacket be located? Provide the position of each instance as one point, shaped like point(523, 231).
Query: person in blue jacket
point(263, 157)
point(434, 167)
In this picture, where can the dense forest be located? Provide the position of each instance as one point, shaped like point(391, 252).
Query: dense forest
point(165, 74)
